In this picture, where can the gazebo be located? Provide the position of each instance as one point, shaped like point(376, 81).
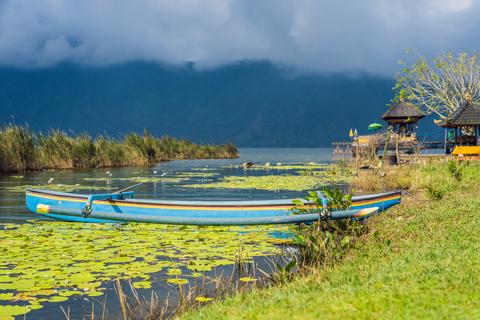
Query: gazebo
point(402, 117)
point(462, 128)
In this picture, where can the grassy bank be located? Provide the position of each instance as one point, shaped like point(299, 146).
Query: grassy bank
point(21, 149)
point(418, 260)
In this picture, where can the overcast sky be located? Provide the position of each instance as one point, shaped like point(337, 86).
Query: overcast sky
point(316, 35)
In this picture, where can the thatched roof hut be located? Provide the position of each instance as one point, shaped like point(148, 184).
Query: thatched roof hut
point(402, 118)
point(466, 115)
point(403, 112)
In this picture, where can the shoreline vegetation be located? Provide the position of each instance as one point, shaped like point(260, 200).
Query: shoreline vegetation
point(417, 260)
point(23, 150)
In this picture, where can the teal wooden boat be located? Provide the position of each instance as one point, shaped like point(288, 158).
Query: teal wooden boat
point(122, 207)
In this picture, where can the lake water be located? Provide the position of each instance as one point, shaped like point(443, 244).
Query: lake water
point(73, 265)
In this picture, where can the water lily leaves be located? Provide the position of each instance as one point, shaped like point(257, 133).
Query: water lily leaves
point(142, 284)
point(247, 279)
point(68, 293)
point(85, 286)
point(177, 281)
point(196, 275)
point(94, 293)
point(121, 259)
point(141, 179)
point(57, 299)
point(45, 261)
point(34, 306)
point(295, 177)
point(9, 312)
point(203, 299)
point(81, 278)
point(196, 174)
point(6, 296)
point(23, 284)
point(291, 166)
point(203, 265)
point(269, 182)
point(174, 272)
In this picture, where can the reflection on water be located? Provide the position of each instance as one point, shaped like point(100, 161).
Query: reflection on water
point(46, 264)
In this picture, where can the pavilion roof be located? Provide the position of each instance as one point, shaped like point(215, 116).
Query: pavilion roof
point(466, 115)
point(403, 110)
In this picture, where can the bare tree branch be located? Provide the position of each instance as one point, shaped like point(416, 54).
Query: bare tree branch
point(441, 87)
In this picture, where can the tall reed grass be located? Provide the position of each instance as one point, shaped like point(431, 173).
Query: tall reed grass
point(21, 149)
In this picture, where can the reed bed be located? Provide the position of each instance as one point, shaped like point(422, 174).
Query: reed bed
point(22, 150)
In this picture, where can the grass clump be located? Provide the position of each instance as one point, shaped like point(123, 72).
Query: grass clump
point(382, 178)
point(21, 150)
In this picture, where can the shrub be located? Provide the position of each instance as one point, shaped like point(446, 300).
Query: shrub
point(455, 169)
point(435, 193)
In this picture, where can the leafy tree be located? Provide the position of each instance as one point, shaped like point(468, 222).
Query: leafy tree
point(442, 86)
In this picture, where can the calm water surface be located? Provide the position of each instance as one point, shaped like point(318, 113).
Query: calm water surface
point(12, 205)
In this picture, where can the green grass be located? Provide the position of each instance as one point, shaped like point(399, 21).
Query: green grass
point(21, 150)
point(419, 260)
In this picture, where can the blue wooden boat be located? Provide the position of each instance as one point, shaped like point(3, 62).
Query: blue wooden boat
point(121, 207)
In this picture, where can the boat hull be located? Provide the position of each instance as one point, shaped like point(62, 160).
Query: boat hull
point(183, 210)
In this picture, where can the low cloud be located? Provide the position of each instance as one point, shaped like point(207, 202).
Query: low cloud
point(314, 35)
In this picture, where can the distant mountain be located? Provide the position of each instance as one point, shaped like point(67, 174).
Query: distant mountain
point(254, 104)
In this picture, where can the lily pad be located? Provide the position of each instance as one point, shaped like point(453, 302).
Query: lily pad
point(203, 299)
point(177, 281)
point(9, 312)
point(247, 279)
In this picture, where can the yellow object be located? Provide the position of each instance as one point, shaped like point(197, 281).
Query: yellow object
point(466, 150)
point(42, 208)
point(363, 140)
point(351, 133)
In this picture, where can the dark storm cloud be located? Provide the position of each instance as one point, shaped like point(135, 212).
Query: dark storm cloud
point(316, 35)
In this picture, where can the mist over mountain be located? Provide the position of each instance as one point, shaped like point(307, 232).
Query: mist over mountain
point(255, 104)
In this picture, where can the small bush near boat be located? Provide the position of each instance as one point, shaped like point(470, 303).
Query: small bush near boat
point(21, 149)
point(325, 241)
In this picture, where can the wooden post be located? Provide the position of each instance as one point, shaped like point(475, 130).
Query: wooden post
point(385, 147)
point(396, 149)
point(445, 140)
point(477, 135)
